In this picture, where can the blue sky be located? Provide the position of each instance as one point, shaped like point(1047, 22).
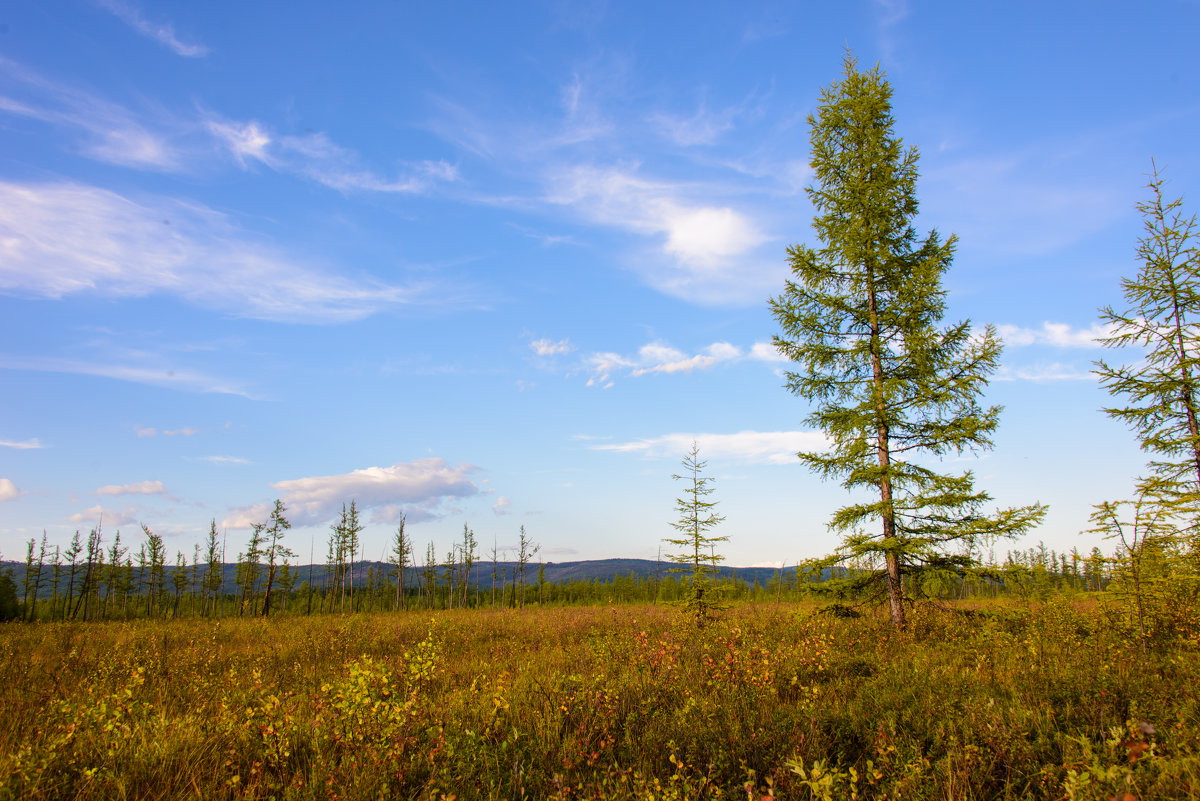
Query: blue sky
point(498, 264)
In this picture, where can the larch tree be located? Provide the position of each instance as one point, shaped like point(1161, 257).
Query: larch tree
point(179, 580)
point(72, 555)
point(249, 567)
point(1162, 322)
point(286, 581)
point(429, 574)
point(495, 572)
point(469, 546)
point(90, 581)
point(154, 560)
point(277, 526)
point(213, 577)
point(400, 557)
point(343, 548)
point(37, 583)
point(696, 546)
point(526, 550)
point(891, 387)
point(27, 580)
point(451, 572)
point(1161, 403)
point(56, 574)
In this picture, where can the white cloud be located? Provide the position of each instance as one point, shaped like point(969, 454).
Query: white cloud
point(224, 459)
point(708, 245)
point(1060, 335)
point(601, 365)
point(29, 444)
point(144, 432)
point(663, 359)
point(247, 516)
point(1041, 373)
point(548, 347)
point(766, 352)
point(141, 488)
point(501, 506)
point(96, 514)
point(657, 357)
point(162, 33)
point(62, 239)
point(8, 490)
point(764, 447)
point(422, 485)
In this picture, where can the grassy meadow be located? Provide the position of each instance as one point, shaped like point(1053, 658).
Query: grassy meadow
point(1000, 700)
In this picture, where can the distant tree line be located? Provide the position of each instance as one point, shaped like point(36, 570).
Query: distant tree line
point(91, 582)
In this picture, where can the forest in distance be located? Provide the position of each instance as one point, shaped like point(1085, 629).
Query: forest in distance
point(927, 657)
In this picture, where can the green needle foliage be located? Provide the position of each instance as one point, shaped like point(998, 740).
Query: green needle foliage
point(1155, 565)
point(1163, 301)
point(697, 515)
point(889, 385)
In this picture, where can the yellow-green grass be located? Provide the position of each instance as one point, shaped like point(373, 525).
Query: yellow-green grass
point(1000, 701)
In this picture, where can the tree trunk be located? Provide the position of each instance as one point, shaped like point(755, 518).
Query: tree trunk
point(883, 450)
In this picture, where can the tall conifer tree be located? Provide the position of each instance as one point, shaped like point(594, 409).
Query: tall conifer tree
point(861, 318)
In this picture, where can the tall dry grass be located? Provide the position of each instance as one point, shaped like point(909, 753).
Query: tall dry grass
point(1045, 701)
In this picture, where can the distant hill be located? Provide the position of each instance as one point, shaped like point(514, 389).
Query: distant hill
point(602, 570)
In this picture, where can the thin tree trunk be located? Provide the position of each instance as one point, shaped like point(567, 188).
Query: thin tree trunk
point(883, 450)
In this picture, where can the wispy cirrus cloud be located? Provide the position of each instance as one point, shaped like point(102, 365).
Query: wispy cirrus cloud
point(60, 239)
point(160, 32)
point(142, 432)
point(140, 488)
point(108, 132)
point(701, 240)
point(25, 445)
point(1059, 335)
point(1044, 373)
point(763, 447)
point(315, 157)
point(705, 125)
point(164, 376)
point(998, 203)
point(701, 128)
point(418, 489)
point(223, 459)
